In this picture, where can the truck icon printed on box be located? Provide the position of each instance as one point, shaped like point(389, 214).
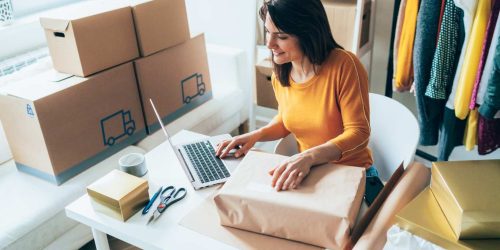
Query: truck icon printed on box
point(192, 87)
point(117, 125)
point(29, 111)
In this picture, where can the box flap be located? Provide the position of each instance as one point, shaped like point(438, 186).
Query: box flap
point(41, 85)
point(54, 24)
point(80, 10)
point(134, 3)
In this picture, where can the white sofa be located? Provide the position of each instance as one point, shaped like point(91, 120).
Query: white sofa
point(32, 211)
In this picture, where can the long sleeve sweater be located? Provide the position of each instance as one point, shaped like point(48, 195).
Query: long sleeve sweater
point(332, 106)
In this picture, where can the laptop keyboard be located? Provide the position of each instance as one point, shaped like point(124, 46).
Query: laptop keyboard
point(207, 166)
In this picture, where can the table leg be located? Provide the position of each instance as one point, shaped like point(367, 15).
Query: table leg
point(100, 240)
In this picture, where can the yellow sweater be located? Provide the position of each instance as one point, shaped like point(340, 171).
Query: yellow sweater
point(471, 60)
point(403, 77)
point(332, 106)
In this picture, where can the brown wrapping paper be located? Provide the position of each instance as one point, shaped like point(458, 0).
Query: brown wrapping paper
point(204, 220)
point(320, 212)
point(415, 178)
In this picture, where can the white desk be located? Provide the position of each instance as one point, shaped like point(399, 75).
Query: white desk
point(164, 233)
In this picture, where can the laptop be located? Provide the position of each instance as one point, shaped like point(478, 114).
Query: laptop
point(198, 158)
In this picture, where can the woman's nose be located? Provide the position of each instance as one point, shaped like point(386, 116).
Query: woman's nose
point(270, 42)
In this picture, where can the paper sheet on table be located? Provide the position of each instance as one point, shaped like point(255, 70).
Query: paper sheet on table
point(204, 219)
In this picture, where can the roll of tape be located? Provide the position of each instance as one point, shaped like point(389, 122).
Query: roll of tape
point(134, 164)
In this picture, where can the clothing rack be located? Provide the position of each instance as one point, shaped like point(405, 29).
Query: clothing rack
point(388, 82)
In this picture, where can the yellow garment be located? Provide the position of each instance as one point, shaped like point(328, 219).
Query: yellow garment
point(332, 106)
point(471, 59)
point(403, 78)
point(470, 137)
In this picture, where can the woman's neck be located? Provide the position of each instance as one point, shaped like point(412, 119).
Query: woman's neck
point(302, 70)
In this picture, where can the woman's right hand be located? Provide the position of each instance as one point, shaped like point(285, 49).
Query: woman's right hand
point(245, 142)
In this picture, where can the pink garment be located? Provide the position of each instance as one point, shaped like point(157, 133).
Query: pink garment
point(484, 52)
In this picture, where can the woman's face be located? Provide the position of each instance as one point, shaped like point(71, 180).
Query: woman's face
point(285, 47)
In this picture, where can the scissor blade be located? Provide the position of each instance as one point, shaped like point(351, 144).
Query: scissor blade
point(153, 217)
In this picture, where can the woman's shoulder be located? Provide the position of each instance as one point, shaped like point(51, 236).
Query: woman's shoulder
point(341, 57)
point(342, 63)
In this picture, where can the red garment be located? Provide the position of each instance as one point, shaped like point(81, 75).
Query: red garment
point(488, 134)
point(443, 3)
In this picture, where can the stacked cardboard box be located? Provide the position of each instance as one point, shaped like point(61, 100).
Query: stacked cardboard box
point(460, 209)
point(90, 36)
point(58, 126)
point(159, 24)
point(173, 70)
point(176, 79)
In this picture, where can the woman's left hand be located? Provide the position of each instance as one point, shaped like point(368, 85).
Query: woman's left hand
point(290, 173)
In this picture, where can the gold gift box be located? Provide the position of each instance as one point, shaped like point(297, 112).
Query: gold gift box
point(424, 218)
point(469, 194)
point(118, 194)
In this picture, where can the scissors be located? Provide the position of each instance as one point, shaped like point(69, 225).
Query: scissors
point(168, 196)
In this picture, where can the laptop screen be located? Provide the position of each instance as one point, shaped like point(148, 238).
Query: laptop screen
point(161, 123)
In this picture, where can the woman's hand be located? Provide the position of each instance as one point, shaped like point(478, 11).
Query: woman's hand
point(290, 173)
point(244, 141)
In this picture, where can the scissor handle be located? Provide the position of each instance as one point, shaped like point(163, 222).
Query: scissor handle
point(169, 188)
point(179, 195)
point(171, 198)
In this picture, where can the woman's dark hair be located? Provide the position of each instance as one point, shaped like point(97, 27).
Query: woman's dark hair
point(307, 21)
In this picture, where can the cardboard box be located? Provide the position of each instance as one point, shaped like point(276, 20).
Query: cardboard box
point(176, 79)
point(159, 24)
point(424, 218)
point(58, 129)
point(264, 88)
point(320, 212)
point(342, 19)
point(469, 194)
point(118, 194)
point(90, 36)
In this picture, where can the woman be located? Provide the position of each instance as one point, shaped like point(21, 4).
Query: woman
point(322, 94)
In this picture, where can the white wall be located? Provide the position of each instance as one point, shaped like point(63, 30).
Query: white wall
point(225, 22)
point(230, 23)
